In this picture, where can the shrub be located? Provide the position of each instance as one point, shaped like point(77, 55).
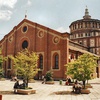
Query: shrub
point(49, 76)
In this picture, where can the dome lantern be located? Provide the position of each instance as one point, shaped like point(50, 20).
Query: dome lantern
point(86, 16)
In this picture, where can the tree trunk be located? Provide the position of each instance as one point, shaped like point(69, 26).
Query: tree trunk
point(84, 84)
point(27, 82)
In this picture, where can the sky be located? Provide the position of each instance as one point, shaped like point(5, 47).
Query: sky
point(55, 14)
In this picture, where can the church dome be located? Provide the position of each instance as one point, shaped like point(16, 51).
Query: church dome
point(85, 24)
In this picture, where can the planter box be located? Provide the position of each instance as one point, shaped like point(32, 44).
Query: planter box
point(2, 79)
point(85, 91)
point(49, 82)
point(25, 91)
point(88, 86)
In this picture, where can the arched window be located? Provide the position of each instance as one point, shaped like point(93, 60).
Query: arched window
point(81, 25)
point(56, 61)
point(40, 61)
point(85, 25)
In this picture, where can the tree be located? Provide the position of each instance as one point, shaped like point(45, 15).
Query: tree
point(1, 61)
point(25, 64)
point(82, 68)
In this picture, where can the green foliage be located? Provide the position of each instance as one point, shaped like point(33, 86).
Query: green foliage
point(82, 68)
point(49, 76)
point(25, 64)
point(1, 61)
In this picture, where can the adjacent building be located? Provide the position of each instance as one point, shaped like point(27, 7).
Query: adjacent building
point(86, 32)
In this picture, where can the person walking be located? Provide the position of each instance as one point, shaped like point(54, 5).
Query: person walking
point(44, 79)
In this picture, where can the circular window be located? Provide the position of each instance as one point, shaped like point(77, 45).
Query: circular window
point(24, 28)
point(24, 44)
point(56, 39)
point(40, 34)
point(10, 38)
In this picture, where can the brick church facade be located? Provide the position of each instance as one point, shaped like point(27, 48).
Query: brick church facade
point(55, 49)
point(49, 44)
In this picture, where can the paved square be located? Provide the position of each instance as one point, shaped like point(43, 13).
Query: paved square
point(46, 92)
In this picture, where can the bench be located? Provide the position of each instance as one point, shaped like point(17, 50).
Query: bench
point(85, 91)
point(49, 82)
point(25, 91)
point(82, 91)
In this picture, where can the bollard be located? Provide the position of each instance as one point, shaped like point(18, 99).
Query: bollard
point(60, 82)
point(0, 97)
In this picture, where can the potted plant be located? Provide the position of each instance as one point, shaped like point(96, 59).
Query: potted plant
point(49, 77)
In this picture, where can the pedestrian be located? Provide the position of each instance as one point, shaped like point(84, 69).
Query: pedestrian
point(23, 85)
point(16, 86)
point(77, 87)
point(44, 79)
point(69, 80)
point(67, 83)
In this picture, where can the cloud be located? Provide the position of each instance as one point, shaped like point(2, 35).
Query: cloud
point(6, 6)
point(5, 14)
point(26, 4)
point(8, 3)
point(29, 2)
point(62, 29)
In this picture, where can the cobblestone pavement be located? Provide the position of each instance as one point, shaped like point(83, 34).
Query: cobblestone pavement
point(46, 92)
